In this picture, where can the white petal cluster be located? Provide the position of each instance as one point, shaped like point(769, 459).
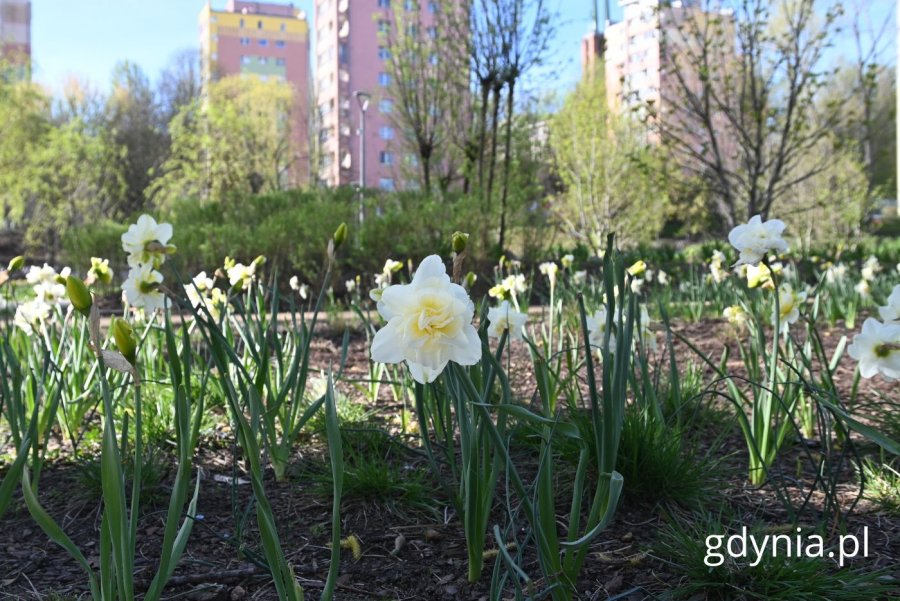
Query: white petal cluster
point(147, 242)
point(871, 268)
point(877, 349)
point(49, 286)
point(504, 318)
point(757, 238)
point(717, 270)
point(240, 276)
point(736, 316)
point(429, 323)
point(31, 315)
point(891, 311)
point(550, 270)
point(596, 325)
point(789, 303)
point(142, 288)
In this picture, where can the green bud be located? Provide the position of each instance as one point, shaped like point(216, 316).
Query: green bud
point(79, 295)
point(125, 339)
point(16, 264)
point(340, 235)
point(470, 280)
point(260, 260)
point(458, 241)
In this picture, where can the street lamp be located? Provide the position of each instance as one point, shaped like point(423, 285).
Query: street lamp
point(363, 99)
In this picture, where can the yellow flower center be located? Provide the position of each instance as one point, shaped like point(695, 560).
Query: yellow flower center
point(433, 318)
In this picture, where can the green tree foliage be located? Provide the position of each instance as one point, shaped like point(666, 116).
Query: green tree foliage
point(606, 166)
point(236, 141)
point(24, 121)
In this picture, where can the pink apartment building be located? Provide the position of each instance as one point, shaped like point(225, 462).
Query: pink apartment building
point(351, 57)
point(265, 40)
point(15, 34)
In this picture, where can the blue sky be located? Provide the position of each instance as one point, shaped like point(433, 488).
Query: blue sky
point(87, 38)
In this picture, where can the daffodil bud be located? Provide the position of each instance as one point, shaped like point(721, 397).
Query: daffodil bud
point(638, 268)
point(125, 339)
point(258, 261)
point(100, 269)
point(340, 235)
point(458, 241)
point(79, 295)
point(470, 279)
point(16, 264)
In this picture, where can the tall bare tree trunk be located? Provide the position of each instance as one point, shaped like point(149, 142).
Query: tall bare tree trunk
point(507, 160)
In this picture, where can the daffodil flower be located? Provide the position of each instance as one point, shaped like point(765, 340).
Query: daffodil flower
point(429, 323)
point(757, 238)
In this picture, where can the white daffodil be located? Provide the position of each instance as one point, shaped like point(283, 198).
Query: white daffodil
point(756, 238)
point(596, 325)
point(142, 288)
point(717, 267)
point(505, 318)
point(789, 303)
point(429, 323)
point(147, 242)
point(567, 260)
point(549, 269)
point(196, 291)
point(240, 276)
point(871, 268)
point(736, 316)
point(835, 273)
point(891, 311)
point(663, 278)
point(49, 286)
point(646, 335)
point(877, 349)
point(579, 277)
point(863, 289)
point(636, 285)
point(31, 315)
point(350, 285)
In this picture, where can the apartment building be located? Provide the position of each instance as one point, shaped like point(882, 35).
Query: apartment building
point(265, 40)
point(15, 35)
point(353, 76)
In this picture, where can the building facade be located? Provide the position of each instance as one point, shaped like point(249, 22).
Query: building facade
point(269, 41)
point(351, 58)
point(15, 35)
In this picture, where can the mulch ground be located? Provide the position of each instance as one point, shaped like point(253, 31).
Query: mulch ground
point(406, 554)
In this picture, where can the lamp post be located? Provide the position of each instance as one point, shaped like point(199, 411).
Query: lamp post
point(363, 99)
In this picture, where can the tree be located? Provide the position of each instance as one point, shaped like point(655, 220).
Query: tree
point(24, 122)
point(428, 79)
point(744, 118)
point(136, 124)
point(606, 168)
point(236, 141)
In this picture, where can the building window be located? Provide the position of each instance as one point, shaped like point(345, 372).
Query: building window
point(432, 32)
point(386, 158)
point(279, 44)
point(383, 53)
point(386, 132)
point(386, 183)
point(282, 27)
point(263, 42)
point(245, 41)
point(242, 23)
point(384, 79)
point(412, 29)
point(384, 3)
point(409, 5)
point(343, 53)
point(280, 62)
point(432, 7)
point(245, 60)
point(384, 26)
point(263, 60)
point(385, 105)
point(259, 25)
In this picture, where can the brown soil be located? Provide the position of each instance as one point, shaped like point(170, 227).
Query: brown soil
point(406, 554)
